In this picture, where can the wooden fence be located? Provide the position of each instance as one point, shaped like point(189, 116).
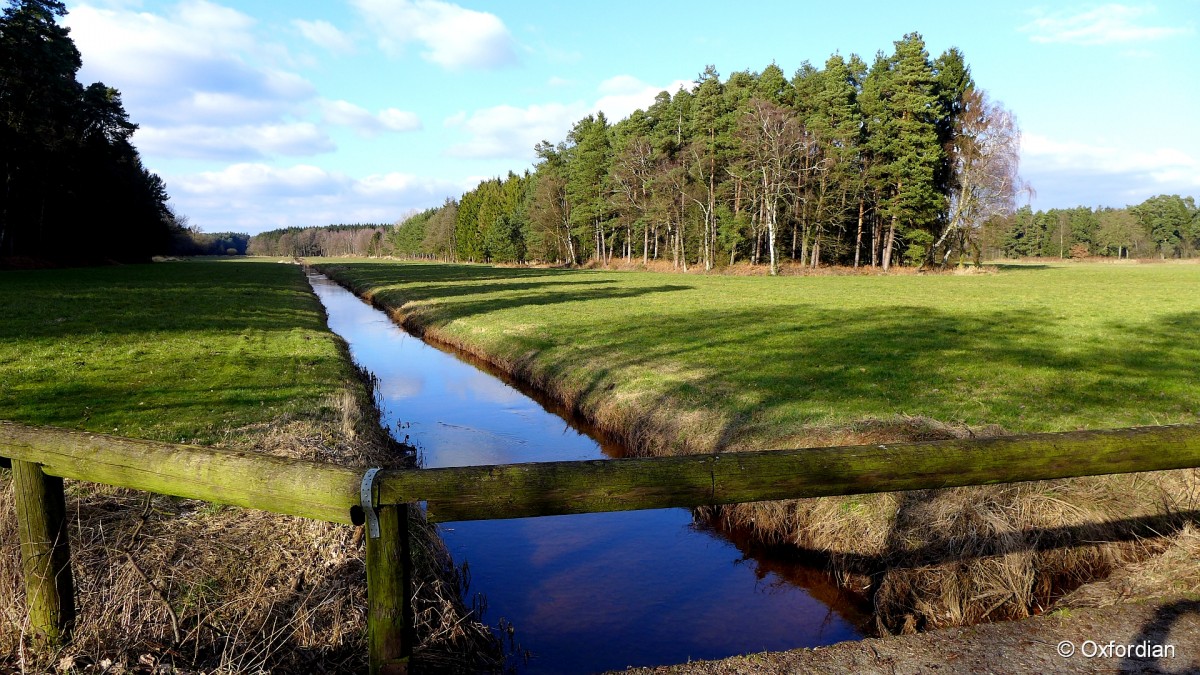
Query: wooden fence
point(42, 457)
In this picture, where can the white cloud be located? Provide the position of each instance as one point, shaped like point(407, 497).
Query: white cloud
point(1105, 158)
point(233, 142)
point(184, 67)
point(361, 120)
point(226, 107)
point(194, 78)
point(1070, 173)
point(620, 84)
point(395, 183)
point(506, 131)
point(261, 180)
point(325, 35)
point(253, 197)
point(1106, 24)
point(453, 37)
point(209, 18)
point(395, 119)
point(623, 94)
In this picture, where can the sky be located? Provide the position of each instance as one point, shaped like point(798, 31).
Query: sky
point(266, 114)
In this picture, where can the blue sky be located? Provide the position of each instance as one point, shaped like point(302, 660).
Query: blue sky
point(268, 114)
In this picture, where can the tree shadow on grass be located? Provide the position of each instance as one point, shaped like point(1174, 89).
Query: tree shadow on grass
point(1006, 367)
point(179, 350)
point(1017, 267)
point(462, 291)
point(802, 363)
point(378, 274)
point(201, 296)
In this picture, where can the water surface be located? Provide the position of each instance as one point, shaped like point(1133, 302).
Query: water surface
point(584, 592)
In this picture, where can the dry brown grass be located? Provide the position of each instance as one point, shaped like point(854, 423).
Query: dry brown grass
point(1173, 572)
point(937, 558)
point(191, 586)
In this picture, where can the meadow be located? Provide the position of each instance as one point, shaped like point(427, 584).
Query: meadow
point(181, 352)
point(718, 362)
point(676, 363)
point(232, 353)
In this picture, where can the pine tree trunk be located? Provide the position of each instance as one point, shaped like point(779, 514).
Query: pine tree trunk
point(876, 235)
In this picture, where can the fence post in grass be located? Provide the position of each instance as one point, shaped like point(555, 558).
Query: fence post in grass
point(390, 632)
point(45, 556)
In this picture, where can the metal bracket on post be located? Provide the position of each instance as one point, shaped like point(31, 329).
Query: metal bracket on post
point(367, 498)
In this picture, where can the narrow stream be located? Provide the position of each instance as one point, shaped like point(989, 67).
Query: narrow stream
point(586, 592)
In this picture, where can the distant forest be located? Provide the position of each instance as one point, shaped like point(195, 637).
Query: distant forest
point(901, 161)
point(75, 189)
point(907, 161)
point(365, 239)
point(1166, 226)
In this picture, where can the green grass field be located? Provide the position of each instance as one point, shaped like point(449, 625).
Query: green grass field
point(759, 362)
point(179, 351)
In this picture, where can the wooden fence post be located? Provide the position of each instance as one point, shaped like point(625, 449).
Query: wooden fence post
point(390, 632)
point(45, 555)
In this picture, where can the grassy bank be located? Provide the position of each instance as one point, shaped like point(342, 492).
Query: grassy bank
point(176, 351)
point(676, 363)
point(229, 353)
point(751, 362)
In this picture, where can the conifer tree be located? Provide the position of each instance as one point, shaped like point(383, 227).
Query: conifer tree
point(902, 108)
point(590, 156)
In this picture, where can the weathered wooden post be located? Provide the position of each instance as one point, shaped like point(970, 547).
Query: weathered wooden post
point(389, 593)
point(45, 555)
point(389, 582)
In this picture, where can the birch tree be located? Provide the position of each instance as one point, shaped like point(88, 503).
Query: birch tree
point(984, 156)
point(773, 138)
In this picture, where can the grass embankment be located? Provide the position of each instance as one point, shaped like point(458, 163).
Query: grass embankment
point(233, 354)
point(677, 363)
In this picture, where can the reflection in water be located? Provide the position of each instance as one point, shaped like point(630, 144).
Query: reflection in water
point(585, 592)
point(401, 388)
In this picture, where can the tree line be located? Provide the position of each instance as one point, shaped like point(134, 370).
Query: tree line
point(902, 161)
point(359, 239)
point(191, 241)
point(1166, 226)
point(75, 188)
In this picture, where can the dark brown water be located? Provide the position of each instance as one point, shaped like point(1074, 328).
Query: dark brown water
point(587, 592)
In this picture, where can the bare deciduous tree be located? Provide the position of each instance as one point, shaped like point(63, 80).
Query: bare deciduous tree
point(985, 155)
point(774, 139)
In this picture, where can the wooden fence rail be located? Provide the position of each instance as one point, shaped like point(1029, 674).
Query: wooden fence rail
point(41, 457)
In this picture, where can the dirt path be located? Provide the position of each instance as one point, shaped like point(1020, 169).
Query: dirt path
point(1029, 646)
